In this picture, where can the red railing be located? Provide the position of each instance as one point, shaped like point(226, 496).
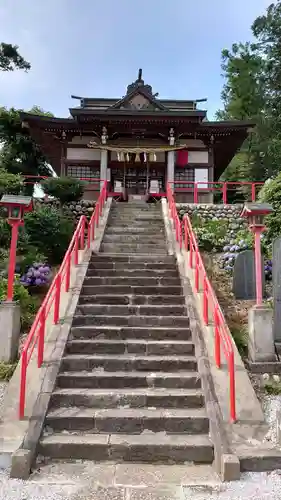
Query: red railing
point(223, 339)
point(36, 336)
point(222, 188)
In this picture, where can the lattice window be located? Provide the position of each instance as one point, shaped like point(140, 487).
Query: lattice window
point(83, 172)
point(184, 174)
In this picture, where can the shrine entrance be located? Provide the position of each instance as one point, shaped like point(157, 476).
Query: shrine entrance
point(138, 178)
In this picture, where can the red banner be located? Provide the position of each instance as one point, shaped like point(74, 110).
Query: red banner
point(182, 158)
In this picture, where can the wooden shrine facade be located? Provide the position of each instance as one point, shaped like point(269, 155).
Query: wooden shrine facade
point(138, 141)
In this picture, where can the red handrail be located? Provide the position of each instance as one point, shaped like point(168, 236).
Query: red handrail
point(36, 335)
point(210, 186)
point(223, 338)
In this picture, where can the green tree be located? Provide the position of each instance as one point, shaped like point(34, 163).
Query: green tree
point(20, 153)
point(252, 87)
point(10, 58)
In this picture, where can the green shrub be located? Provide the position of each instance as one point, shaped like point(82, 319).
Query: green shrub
point(65, 189)
point(28, 304)
point(49, 232)
point(211, 234)
point(10, 183)
point(271, 193)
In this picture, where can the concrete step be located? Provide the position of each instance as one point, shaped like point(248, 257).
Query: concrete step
point(127, 362)
point(131, 346)
point(128, 310)
point(129, 448)
point(140, 220)
point(133, 379)
point(167, 273)
point(133, 248)
point(134, 398)
point(152, 239)
point(132, 299)
point(130, 290)
point(132, 281)
point(129, 420)
point(133, 321)
point(147, 231)
point(131, 266)
point(133, 259)
point(126, 333)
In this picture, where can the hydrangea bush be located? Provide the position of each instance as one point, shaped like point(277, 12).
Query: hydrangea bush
point(238, 245)
point(38, 274)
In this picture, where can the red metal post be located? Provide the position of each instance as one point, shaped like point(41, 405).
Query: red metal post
point(180, 232)
point(22, 383)
point(205, 301)
point(253, 192)
point(82, 234)
point(217, 338)
point(12, 260)
point(68, 270)
point(41, 337)
point(196, 271)
point(97, 213)
point(258, 265)
point(185, 234)
point(89, 234)
point(224, 193)
point(190, 251)
point(76, 249)
point(195, 192)
point(57, 299)
point(232, 387)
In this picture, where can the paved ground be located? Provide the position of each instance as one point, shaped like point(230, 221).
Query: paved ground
point(88, 481)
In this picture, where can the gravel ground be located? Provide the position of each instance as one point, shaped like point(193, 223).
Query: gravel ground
point(252, 486)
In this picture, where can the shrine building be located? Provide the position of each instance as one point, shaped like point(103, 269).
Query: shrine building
point(139, 143)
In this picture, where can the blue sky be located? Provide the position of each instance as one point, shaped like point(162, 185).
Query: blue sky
point(94, 48)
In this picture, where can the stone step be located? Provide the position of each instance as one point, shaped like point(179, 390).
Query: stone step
point(133, 230)
point(148, 447)
point(132, 281)
point(128, 310)
point(141, 220)
point(139, 239)
point(133, 259)
point(167, 273)
point(127, 362)
point(129, 420)
point(133, 248)
point(133, 379)
point(136, 398)
point(131, 346)
point(126, 333)
point(88, 289)
point(132, 299)
point(133, 321)
point(131, 266)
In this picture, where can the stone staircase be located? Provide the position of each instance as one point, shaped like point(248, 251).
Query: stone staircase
point(128, 387)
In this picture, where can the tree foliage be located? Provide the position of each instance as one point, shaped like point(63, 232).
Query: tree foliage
point(252, 73)
point(10, 58)
point(65, 189)
point(20, 153)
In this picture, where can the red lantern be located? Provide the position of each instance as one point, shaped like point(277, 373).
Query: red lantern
point(182, 158)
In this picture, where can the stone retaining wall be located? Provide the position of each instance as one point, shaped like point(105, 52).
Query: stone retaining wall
point(73, 209)
point(214, 212)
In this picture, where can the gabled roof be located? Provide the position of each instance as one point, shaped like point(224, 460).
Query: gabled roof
point(142, 91)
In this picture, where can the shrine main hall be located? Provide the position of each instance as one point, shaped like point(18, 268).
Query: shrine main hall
point(139, 142)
